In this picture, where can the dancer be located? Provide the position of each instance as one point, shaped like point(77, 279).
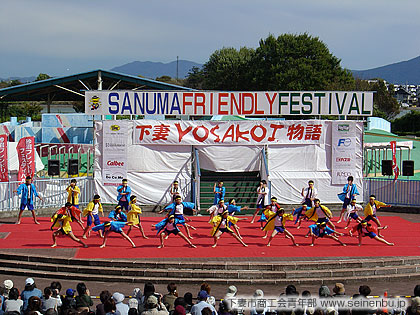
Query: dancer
point(28, 191)
point(221, 225)
point(300, 214)
point(322, 230)
point(133, 216)
point(73, 193)
point(268, 212)
point(72, 212)
point(177, 209)
point(320, 214)
point(219, 192)
point(366, 229)
point(112, 226)
point(276, 223)
point(92, 213)
point(262, 200)
point(169, 226)
point(349, 192)
point(233, 208)
point(117, 214)
point(124, 192)
point(351, 213)
point(217, 209)
point(175, 191)
point(62, 222)
point(371, 208)
point(309, 194)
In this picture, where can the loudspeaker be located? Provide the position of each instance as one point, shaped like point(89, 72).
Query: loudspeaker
point(73, 167)
point(408, 168)
point(387, 168)
point(53, 167)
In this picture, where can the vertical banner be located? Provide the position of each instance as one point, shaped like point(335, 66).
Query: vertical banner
point(343, 151)
point(4, 167)
point(114, 161)
point(26, 154)
point(395, 167)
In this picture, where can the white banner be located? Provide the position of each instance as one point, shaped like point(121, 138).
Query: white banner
point(343, 151)
point(350, 103)
point(228, 132)
point(114, 161)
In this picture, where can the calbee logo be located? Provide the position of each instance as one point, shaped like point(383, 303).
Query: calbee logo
point(115, 127)
point(94, 102)
point(346, 142)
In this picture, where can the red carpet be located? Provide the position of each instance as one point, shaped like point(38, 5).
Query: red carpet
point(404, 234)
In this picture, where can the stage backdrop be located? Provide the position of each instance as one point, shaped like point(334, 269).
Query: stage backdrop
point(158, 152)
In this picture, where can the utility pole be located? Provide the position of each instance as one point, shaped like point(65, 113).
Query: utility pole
point(177, 66)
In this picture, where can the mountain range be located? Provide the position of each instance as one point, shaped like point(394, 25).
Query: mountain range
point(404, 72)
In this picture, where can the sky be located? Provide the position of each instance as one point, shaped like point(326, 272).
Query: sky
point(66, 37)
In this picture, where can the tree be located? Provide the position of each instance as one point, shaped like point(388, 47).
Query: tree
point(42, 76)
point(297, 62)
point(228, 69)
point(195, 78)
point(408, 124)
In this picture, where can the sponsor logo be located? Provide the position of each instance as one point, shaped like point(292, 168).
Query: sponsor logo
point(115, 127)
point(342, 159)
point(346, 142)
point(94, 102)
point(343, 127)
point(114, 163)
point(343, 174)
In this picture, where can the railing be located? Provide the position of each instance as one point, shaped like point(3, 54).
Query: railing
point(52, 191)
point(196, 186)
point(264, 171)
point(400, 193)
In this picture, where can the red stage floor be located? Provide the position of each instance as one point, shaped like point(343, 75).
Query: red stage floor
point(405, 235)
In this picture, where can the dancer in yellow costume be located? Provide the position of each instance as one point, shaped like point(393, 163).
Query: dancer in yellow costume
point(62, 222)
point(371, 208)
point(276, 223)
point(133, 216)
point(320, 214)
point(92, 213)
point(221, 225)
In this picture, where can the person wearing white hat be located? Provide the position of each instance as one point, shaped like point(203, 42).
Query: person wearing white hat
point(119, 299)
point(29, 291)
point(231, 292)
point(7, 284)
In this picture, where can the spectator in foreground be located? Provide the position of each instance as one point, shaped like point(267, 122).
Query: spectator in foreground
point(13, 303)
point(202, 298)
point(154, 307)
point(34, 305)
point(83, 300)
point(188, 302)
point(29, 291)
point(120, 306)
point(50, 302)
point(69, 302)
point(169, 299)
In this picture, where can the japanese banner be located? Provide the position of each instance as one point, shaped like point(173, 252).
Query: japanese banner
point(4, 167)
point(114, 160)
point(26, 154)
point(256, 103)
point(228, 132)
point(343, 151)
point(395, 167)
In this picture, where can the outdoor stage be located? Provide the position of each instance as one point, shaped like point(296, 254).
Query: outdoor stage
point(403, 233)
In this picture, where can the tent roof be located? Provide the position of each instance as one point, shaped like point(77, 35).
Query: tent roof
point(72, 87)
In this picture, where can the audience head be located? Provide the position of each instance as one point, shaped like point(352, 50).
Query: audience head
point(81, 288)
point(364, 290)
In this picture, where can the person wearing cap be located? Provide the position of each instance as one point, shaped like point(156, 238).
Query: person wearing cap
point(73, 192)
point(154, 306)
point(124, 193)
point(351, 213)
point(349, 192)
point(201, 304)
point(169, 226)
point(119, 305)
point(231, 292)
point(258, 295)
point(309, 194)
point(175, 190)
point(300, 214)
point(117, 214)
point(177, 209)
point(217, 209)
point(69, 302)
point(262, 199)
point(7, 285)
point(221, 225)
point(269, 211)
point(133, 217)
point(112, 226)
point(28, 191)
point(29, 291)
point(365, 229)
point(276, 223)
point(320, 214)
point(71, 211)
point(371, 208)
point(219, 192)
point(62, 223)
point(91, 212)
point(321, 230)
